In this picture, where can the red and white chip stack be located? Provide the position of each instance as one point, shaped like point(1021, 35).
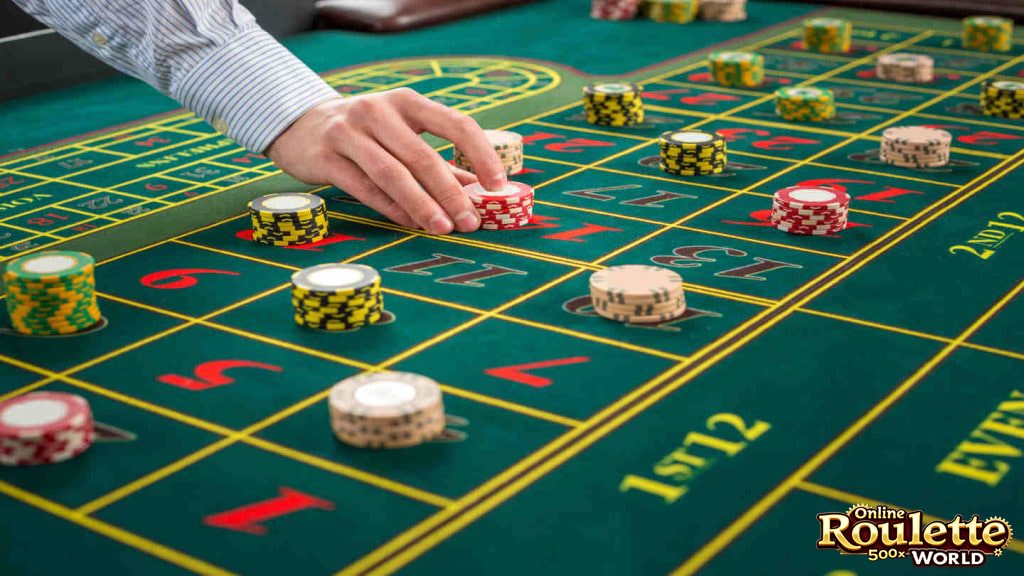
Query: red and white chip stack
point(44, 428)
point(505, 209)
point(614, 9)
point(810, 210)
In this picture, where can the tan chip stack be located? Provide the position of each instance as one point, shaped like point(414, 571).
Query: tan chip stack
point(508, 145)
point(637, 294)
point(386, 410)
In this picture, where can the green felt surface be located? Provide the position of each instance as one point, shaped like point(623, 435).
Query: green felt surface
point(881, 364)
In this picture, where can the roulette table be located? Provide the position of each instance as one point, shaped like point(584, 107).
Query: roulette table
point(879, 365)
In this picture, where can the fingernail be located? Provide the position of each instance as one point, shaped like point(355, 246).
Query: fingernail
point(440, 225)
point(468, 220)
point(501, 176)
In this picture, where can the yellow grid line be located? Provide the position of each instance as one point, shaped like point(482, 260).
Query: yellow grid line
point(735, 528)
point(112, 532)
point(427, 533)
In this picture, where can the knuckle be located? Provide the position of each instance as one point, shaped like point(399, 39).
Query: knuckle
point(404, 92)
point(423, 159)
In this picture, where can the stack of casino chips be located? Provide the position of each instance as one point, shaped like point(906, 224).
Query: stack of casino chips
point(509, 147)
point(614, 9)
point(1003, 98)
point(52, 293)
point(915, 147)
point(810, 210)
point(692, 152)
point(386, 410)
point(905, 68)
point(613, 104)
point(337, 296)
point(505, 209)
point(289, 219)
point(737, 69)
point(637, 294)
point(827, 35)
point(805, 104)
point(723, 10)
point(44, 428)
point(677, 11)
point(988, 33)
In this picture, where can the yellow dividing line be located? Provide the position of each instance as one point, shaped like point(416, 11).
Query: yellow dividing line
point(731, 532)
point(125, 537)
point(853, 499)
point(433, 530)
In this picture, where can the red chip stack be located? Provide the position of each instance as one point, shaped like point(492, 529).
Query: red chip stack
point(614, 9)
point(44, 428)
point(810, 210)
point(505, 209)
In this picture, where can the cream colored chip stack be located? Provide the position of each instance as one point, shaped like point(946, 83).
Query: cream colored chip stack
point(386, 410)
point(915, 147)
point(905, 68)
point(509, 147)
point(723, 10)
point(637, 294)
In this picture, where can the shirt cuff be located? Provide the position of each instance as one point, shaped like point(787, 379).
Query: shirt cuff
point(251, 88)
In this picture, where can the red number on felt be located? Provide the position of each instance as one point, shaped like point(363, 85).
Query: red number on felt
point(576, 145)
point(784, 143)
point(708, 99)
point(178, 278)
point(154, 187)
point(10, 181)
point(519, 373)
point(152, 141)
point(734, 134)
point(211, 374)
point(247, 518)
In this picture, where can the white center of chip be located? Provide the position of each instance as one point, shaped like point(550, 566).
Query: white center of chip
point(613, 88)
point(692, 137)
point(49, 264)
point(385, 393)
point(813, 195)
point(335, 277)
point(507, 190)
point(826, 22)
point(33, 413)
point(1009, 85)
point(286, 202)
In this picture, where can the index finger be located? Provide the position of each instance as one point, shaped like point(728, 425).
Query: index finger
point(466, 135)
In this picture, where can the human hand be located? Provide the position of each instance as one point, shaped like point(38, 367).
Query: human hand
point(369, 146)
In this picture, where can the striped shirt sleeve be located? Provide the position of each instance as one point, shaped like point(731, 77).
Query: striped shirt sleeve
point(209, 55)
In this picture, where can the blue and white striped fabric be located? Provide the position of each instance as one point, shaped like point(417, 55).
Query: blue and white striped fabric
point(210, 55)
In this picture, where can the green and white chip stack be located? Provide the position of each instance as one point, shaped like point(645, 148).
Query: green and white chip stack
point(805, 104)
point(827, 35)
point(52, 293)
point(337, 296)
point(737, 69)
point(988, 33)
point(676, 11)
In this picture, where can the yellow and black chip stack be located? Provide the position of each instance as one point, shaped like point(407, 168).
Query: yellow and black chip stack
point(1003, 98)
point(337, 296)
point(289, 219)
point(692, 153)
point(613, 104)
point(52, 293)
